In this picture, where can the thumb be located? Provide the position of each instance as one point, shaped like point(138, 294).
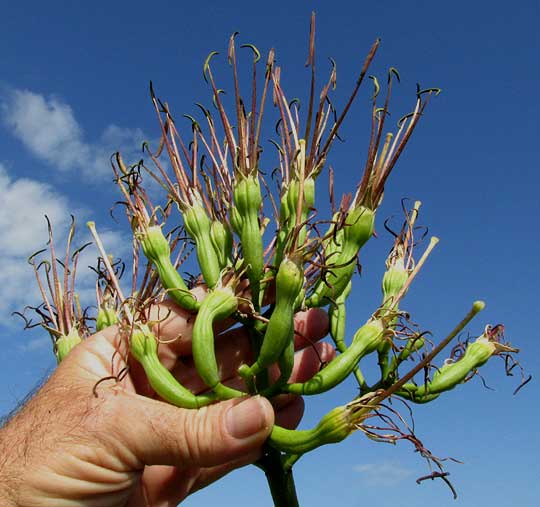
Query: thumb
point(160, 434)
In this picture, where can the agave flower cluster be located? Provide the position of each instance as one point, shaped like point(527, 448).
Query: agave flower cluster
point(265, 253)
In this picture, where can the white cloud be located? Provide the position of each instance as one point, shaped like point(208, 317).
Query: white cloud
point(386, 473)
point(23, 230)
point(23, 205)
point(49, 130)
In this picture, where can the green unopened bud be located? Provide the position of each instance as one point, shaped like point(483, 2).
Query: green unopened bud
point(196, 220)
point(394, 279)
point(289, 281)
point(247, 196)
point(144, 347)
point(247, 200)
point(154, 244)
point(370, 335)
point(65, 343)
point(142, 343)
point(334, 427)
point(236, 220)
point(222, 242)
point(157, 250)
point(309, 192)
point(198, 224)
point(358, 228)
point(106, 317)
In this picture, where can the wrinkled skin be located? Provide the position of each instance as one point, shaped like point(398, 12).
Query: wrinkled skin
point(67, 447)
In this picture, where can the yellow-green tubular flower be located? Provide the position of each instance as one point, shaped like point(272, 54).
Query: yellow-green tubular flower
point(157, 250)
point(334, 427)
point(365, 341)
point(245, 221)
point(65, 343)
point(154, 244)
point(357, 229)
point(280, 329)
point(144, 347)
point(198, 225)
point(453, 373)
point(222, 241)
point(219, 304)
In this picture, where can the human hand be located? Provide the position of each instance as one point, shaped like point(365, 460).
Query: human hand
point(67, 447)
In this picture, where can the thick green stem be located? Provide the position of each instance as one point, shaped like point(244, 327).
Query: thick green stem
point(280, 479)
point(278, 474)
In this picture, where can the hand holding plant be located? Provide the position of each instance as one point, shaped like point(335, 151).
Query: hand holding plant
point(69, 447)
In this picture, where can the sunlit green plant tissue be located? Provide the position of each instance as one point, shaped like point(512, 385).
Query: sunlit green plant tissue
point(252, 214)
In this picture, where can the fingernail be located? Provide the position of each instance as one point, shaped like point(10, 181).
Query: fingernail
point(247, 418)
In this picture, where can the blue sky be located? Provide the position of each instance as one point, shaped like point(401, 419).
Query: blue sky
point(74, 88)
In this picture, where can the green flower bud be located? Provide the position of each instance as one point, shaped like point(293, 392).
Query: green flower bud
point(142, 343)
point(144, 348)
point(334, 427)
point(247, 196)
point(453, 373)
point(106, 317)
point(394, 279)
point(222, 242)
point(247, 200)
point(358, 228)
point(157, 250)
point(197, 224)
point(65, 343)
point(154, 244)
